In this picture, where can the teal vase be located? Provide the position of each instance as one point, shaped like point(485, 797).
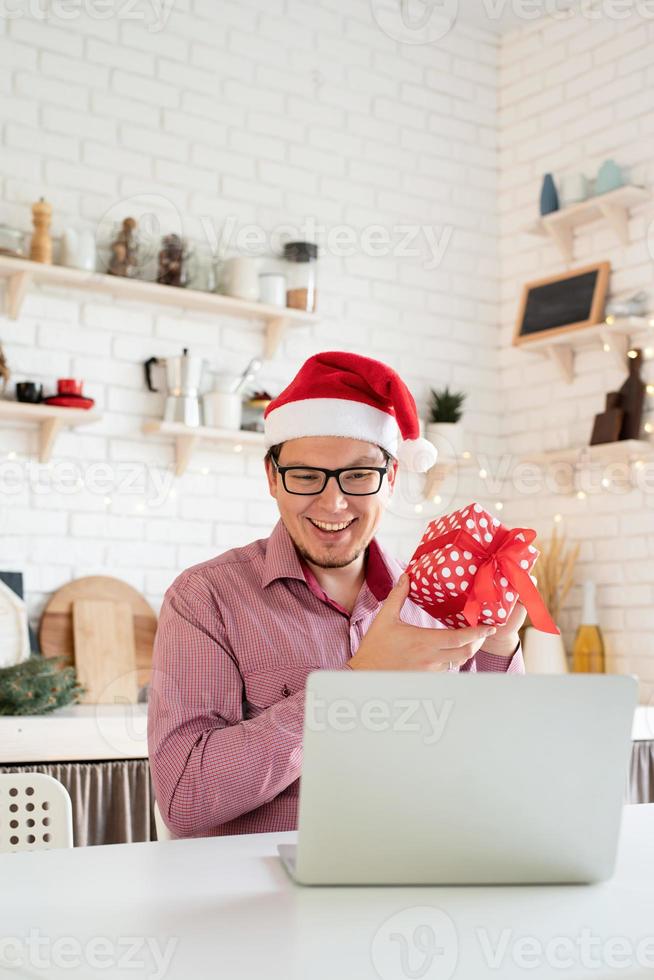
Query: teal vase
point(549, 199)
point(609, 177)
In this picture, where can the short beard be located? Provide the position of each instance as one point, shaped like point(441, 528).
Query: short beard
point(334, 563)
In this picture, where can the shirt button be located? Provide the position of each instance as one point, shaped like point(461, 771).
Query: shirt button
point(285, 691)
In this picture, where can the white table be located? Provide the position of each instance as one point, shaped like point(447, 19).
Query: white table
point(229, 911)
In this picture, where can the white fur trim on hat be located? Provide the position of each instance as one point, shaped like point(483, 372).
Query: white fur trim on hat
point(349, 419)
point(417, 455)
point(332, 417)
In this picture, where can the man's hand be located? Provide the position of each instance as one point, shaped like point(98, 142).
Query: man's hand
point(506, 639)
point(391, 644)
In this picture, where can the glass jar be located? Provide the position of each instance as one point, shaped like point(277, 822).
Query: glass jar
point(11, 241)
point(301, 267)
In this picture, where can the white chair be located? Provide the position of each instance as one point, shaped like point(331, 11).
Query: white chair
point(162, 831)
point(35, 812)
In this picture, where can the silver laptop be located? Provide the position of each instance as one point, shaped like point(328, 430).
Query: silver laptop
point(444, 778)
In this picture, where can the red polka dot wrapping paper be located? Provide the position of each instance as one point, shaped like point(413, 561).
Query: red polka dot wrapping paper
point(469, 569)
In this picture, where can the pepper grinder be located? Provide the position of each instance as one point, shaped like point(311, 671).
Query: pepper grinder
point(41, 244)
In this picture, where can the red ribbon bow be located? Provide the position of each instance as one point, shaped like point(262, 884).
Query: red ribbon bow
point(501, 559)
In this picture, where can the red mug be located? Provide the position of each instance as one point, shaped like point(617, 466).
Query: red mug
point(69, 386)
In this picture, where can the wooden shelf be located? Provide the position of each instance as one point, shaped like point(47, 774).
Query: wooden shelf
point(611, 335)
point(613, 208)
point(51, 419)
point(188, 437)
point(19, 273)
point(439, 472)
point(625, 451)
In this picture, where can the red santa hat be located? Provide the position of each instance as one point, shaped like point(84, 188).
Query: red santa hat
point(341, 394)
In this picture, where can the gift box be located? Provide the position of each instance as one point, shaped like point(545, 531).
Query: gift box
point(469, 569)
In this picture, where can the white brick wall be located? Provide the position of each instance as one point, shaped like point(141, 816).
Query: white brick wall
point(570, 96)
point(275, 113)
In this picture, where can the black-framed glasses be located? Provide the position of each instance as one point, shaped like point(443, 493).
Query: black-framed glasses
point(355, 481)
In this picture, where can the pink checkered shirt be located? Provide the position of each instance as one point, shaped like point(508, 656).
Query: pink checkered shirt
point(237, 637)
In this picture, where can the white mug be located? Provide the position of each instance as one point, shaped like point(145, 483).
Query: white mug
point(573, 189)
point(222, 410)
point(240, 279)
point(272, 288)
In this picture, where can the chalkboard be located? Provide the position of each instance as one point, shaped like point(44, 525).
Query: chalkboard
point(562, 303)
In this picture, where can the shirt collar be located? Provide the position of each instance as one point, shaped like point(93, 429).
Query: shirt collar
point(283, 561)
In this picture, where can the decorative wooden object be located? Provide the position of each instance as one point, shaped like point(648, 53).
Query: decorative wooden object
point(104, 651)
point(56, 635)
point(632, 396)
point(608, 423)
point(41, 244)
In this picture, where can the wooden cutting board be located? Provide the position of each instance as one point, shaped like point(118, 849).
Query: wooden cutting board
point(105, 659)
point(56, 628)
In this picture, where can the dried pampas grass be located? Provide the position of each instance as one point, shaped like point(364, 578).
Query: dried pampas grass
point(554, 571)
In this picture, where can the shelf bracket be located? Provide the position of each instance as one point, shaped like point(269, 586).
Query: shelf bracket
point(562, 236)
point(184, 446)
point(16, 289)
point(275, 330)
point(619, 345)
point(435, 477)
point(49, 429)
point(618, 219)
point(564, 359)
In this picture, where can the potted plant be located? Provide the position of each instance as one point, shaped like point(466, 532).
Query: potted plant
point(444, 428)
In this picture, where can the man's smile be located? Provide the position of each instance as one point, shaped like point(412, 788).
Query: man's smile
point(326, 529)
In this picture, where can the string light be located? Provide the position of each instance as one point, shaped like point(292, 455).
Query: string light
point(610, 320)
point(648, 427)
point(418, 508)
point(581, 495)
point(649, 353)
point(606, 482)
point(107, 501)
point(650, 389)
point(632, 353)
point(499, 505)
point(483, 474)
point(639, 464)
point(205, 471)
point(11, 455)
point(607, 348)
point(436, 499)
point(238, 448)
point(465, 454)
point(558, 518)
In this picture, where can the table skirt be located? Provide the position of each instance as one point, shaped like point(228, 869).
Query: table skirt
point(112, 801)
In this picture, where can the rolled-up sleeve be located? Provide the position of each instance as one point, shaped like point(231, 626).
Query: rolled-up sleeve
point(209, 763)
point(484, 661)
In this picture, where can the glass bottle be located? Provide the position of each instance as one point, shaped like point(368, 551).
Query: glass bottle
point(588, 650)
point(302, 260)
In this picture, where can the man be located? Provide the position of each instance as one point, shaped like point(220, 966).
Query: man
point(239, 634)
